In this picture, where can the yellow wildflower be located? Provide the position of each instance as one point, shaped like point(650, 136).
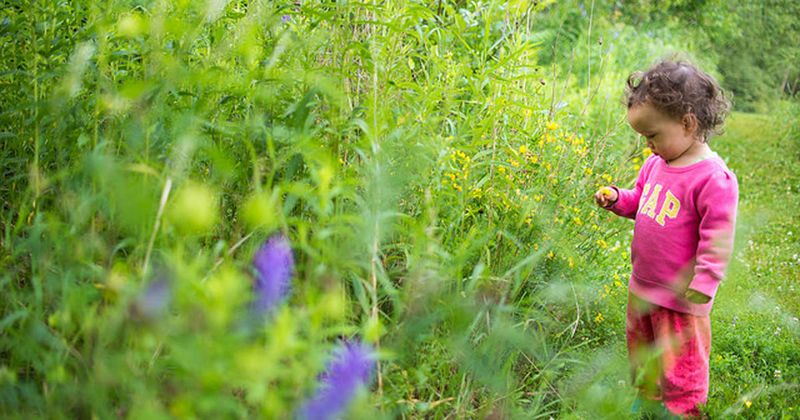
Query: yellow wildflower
point(523, 149)
point(599, 318)
point(534, 159)
point(647, 152)
point(552, 125)
point(606, 178)
point(602, 244)
point(748, 403)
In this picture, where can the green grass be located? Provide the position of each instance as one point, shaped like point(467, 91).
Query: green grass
point(756, 345)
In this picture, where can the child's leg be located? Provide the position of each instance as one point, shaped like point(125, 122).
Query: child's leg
point(685, 341)
point(644, 362)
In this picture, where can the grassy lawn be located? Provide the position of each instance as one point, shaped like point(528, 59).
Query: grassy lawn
point(755, 366)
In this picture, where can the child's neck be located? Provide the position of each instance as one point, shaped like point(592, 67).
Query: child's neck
point(695, 153)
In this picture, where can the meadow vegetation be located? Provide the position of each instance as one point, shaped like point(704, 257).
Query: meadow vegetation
point(431, 165)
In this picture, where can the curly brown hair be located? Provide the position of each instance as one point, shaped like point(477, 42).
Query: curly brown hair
point(677, 88)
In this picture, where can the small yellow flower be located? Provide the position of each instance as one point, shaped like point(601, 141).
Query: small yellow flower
point(523, 149)
point(599, 318)
point(501, 169)
point(550, 255)
point(646, 152)
point(602, 244)
point(748, 403)
point(552, 126)
point(534, 159)
point(571, 262)
point(606, 178)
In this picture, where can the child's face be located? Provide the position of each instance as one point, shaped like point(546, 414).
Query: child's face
point(665, 136)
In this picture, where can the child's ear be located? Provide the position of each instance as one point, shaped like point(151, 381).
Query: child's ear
point(690, 123)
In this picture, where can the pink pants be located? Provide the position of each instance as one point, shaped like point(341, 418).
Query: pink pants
point(669, 352)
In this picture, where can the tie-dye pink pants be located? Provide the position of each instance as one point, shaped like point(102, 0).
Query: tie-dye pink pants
point(669, 353)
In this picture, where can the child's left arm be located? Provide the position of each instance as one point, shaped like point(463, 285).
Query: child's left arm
point(716, 204)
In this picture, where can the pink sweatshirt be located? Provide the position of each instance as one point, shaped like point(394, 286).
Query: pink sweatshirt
point(683, 231)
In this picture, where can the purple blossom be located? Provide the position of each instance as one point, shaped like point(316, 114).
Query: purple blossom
point(274, 264)
point(153, 301)
point(350, 369)
point(286, 18)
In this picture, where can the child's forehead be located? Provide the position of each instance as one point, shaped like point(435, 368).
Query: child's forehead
point(644, 116)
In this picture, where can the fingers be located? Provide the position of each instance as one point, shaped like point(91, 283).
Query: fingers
point(605, 197)
point(601, 199)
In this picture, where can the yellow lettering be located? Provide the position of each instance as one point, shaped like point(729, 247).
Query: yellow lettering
point(644, 194)
point(669, 209)
point(649, 207)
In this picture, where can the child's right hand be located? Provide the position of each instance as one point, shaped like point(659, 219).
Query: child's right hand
point(606, 197)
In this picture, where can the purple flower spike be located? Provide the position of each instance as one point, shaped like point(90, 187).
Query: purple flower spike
point(153, 301)
point(274, 264)
point(350, 369)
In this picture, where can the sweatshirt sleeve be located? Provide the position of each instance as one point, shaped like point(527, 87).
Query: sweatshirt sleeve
point(716, 205)
point(627, 203)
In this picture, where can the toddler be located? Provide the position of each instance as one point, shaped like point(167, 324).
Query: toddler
point(684, 206)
